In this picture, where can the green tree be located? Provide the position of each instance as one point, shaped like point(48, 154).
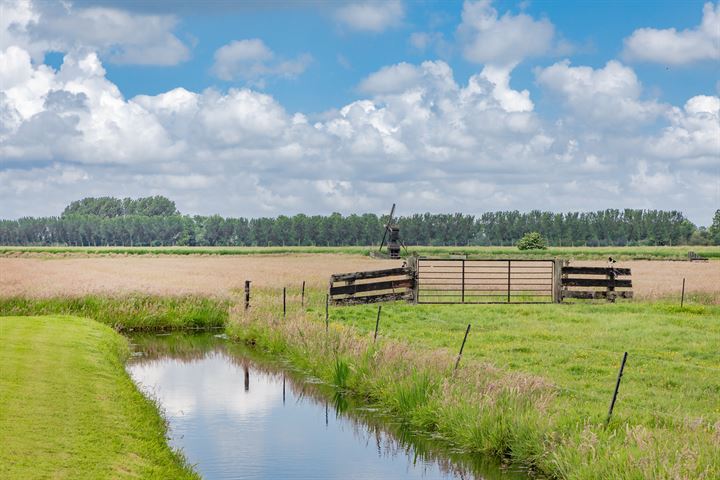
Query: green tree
point(714, 229)
point(532, 241)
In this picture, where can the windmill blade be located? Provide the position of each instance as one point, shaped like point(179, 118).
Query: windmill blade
point(387, 228)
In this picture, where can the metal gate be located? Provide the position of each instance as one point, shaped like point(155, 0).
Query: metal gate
point(460, 280)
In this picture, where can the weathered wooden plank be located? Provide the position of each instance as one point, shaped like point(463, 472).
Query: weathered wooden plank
point(385, 297)
point(594, 271)
point(371, 287)
point(595, 282)
point(598, 295)
point(345, 277)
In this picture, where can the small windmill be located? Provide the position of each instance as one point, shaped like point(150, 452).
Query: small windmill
point(394, 243)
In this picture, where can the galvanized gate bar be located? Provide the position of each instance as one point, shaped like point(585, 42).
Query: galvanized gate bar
point(473, 281)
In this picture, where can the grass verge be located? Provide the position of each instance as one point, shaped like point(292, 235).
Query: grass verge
point(128, 312)
point(69, 410)
point(573, 253)
point(534, 383)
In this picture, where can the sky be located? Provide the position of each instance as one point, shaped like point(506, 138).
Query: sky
point(264, 108)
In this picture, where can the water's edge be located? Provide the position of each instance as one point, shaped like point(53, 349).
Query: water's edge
point(197, 380)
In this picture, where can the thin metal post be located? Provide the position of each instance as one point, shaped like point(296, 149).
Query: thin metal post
point(462, 298)
point(302, 295)
point(508, 290)
point(377, 323)
point(327, 313)
point(682, 296)
point(247, 294)
point(457, 362)
point(617, 387)
point(284, 302)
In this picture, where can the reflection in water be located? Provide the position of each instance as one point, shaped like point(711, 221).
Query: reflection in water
point(275, 424)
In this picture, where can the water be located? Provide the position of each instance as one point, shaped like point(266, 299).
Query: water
point(238, 416)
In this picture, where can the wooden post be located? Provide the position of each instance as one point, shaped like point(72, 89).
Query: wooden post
point(377, 323)
point(617, 387)
point(246, 372)
point(611, 285)
point(283, 389)
point(247, 294)
point(327, 313)
point(457, 362)
point(557, 281)
point(414, 265)
point(682, 295)
point(302, 295)
point(284, 302)
point(462, 296)
point(508, 291)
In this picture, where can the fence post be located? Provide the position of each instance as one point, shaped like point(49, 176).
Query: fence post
point(557, 280)
point(377, 323)
point(247, 294)
point(302, 295)
point(457, 362)
point(611, 285)
point(682, 295)
point(327, 313)
point(284, 302)
point(413, 264)
point(617, 387)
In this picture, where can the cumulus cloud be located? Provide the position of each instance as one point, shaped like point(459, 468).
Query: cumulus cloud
point(419, 138)
point(251, 60)
point(120, 37)
point(672, 47)
point(371, 16)
point(608, 96)
point(502, 40)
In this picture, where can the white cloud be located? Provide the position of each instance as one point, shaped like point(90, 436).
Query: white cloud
point(502, 40)
point(120, 37)
point(693, 135)
point(672, 47)
point(609, 96)
point(419, 138)
point(253, 61)
point(371, 16)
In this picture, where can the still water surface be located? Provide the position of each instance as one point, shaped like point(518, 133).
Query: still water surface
point(239, 416)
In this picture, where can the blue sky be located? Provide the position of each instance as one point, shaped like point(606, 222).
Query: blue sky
point(266, 108)
point(594, 29)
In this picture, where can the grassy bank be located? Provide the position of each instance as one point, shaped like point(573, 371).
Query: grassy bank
point(576, 253)
point(69, 410)
point(534, 383)
point(128, 312)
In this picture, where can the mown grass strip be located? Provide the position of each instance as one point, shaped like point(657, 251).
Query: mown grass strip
point(128, 312)
point(68, 408)
point(576, 253)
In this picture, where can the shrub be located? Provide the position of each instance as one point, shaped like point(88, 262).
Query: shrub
point(532, 241)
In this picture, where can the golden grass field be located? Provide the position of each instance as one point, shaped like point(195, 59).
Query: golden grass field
point(70, 275)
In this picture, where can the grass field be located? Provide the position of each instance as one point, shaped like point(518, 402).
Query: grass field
point(128, 312)
point(535, 382)
point(69, 410)
point(578, 253)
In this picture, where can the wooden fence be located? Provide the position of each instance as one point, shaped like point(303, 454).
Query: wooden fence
point(373, 286)
point(460, 280)
point(602, 282)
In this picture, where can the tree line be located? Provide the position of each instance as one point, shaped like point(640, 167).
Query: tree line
point(155, 221)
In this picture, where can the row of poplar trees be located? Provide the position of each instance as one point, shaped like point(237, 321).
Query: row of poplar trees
point(155, 221)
